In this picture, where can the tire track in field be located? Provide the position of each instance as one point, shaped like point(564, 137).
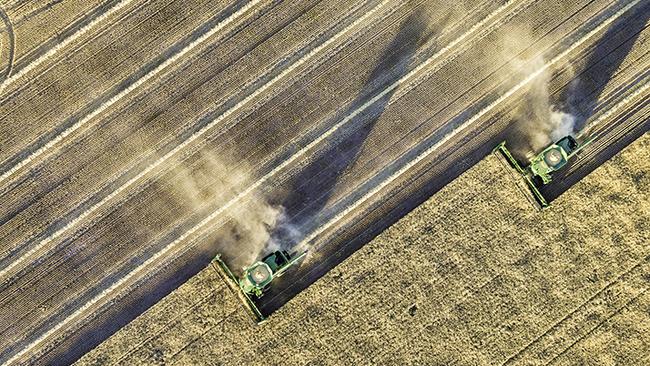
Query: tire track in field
point(78, 44)
point(11, 45)
point(639, 90)
point(70, 29)
point(111, 89)
point(186, 235)
point(216, 122)
point(39, 55)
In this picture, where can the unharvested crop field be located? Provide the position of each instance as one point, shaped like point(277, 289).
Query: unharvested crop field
point(473, 276)
point(138, 138)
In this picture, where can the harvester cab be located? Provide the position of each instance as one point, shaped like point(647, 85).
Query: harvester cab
point(539, 172)
point(257, 278)
point(553, 158)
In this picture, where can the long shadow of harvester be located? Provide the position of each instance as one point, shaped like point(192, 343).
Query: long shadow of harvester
point(582, 98)
point(312, 188)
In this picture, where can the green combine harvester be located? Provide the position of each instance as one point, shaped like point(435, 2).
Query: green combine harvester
point(541, 168)
point(256, 278)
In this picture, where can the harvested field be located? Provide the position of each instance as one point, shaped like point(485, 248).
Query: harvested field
point(138, 138)
point(473, 276)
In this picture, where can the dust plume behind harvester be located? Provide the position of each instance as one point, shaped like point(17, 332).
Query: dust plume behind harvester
point(541, 167)
point(257, 278)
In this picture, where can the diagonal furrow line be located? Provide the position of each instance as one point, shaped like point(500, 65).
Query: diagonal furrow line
point(128, 89)
point(11, 37)
point(82, 20)
point(601, 324)
point(67, 54)
point(640, 90)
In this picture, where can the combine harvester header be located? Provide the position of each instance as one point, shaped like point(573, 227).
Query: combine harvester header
point(256, 278)
point(539, 172)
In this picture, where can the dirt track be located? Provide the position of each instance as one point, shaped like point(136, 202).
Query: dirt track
point(131, 154)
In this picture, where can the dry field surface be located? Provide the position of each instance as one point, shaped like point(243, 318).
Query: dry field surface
point(138, 138)
point(474, 276)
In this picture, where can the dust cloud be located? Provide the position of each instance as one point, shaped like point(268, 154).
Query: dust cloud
point(538, 122)
point(208, 182)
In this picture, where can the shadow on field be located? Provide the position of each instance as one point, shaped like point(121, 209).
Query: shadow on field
point(581, 99)
point(313, 187)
